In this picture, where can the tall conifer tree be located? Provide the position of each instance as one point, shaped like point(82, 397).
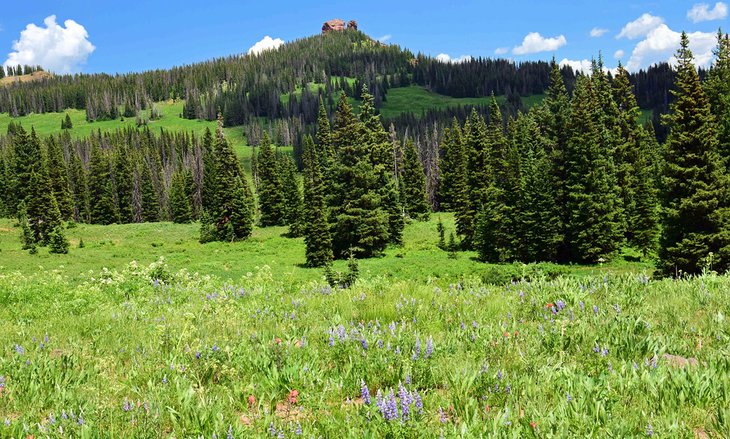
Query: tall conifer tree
point(316, 230)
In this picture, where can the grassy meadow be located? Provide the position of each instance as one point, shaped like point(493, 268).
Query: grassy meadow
point(238, 340)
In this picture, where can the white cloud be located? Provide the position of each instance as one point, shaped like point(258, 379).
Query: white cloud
point(661, 44)
point(640, 27)
point(583, 65)
point(702, 12)
point(445, 58)
point(385, 38)
point(619, 54)
point(56, 48)
point(501, 50)
point(267, 43)
point(534, 43)
point(598, 32)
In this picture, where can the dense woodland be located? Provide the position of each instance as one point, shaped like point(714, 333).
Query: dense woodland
point(573, 180)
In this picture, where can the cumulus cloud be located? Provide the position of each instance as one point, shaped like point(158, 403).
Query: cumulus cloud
point(598, 32)
point(640, 27)
point(662, 42)
point(385, 38)
point(702, 12)
point(267, 43)
point(445, 58)
point(501, 50)
point(582, 65)
point(534, 43)
point(61, 49)
point(619, 54)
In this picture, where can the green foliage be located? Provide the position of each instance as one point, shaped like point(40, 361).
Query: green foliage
point(180, 208)
point(694, 187)
point(272, 201)
point(101, 191)
point(57, 242)
point(413, 184)
point(317, 238)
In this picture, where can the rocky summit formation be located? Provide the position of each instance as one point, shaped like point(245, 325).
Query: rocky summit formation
point(333, 25)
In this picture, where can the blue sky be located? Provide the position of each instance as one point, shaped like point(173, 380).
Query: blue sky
point(121, 36)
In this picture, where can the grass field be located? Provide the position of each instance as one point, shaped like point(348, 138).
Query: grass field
point(204, 342)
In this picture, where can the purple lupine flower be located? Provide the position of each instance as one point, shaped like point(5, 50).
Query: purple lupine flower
point(364, 344)
point(332, 341)
point(617, 308)
point(417, 349)
point(560, 305)
point(127, 406)
point(280, 435)
point(197, 355)
point(507, 389)
point(522, 295)
point(653, 362)
point(554, 309)
point(164, 379)
point(596, 348)
point(80, 421)
point(215, 347)
point(380, 344)
point(429, 347)
point(582, 305)
point(405, 402)
point(397, 350)
point(364, 392)
point(636, 366)
point(595, 310)
point(7, 422)
point(649, 430)
point(379, 401)
point(19, 349)
point(568, 397)
point(408, 379)
point(473, 337)
point(610, 367)
point(298, 431)
point(474, 324)
point(418, 402)
point(64, 415)
point(463, 326)
point(230, 432)
point(499, 374)
point(442, 416)
point(272, 429)
point(2, 381)
point(604, 352)
point(51, 419)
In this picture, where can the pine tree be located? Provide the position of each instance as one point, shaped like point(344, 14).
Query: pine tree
point(553, 118)
point(180, 209)
point(58, 244)
point(464, 211)
point(272, 203)
point(67, 124)
point(43, 213)
point(594, 228)
point(326, 151)
point(694, 189)
point(58, 173)
point(645, 214)
point(27, 161)
point(150, 201)
point(78, 180)
point(717, 86)
point(27, 237)
point(101, 191)
point(123, 183)
point(451, 155)
point(360, 223)
point(317, 236)
point(229, 215)
point(293, 196)
point(413, 185)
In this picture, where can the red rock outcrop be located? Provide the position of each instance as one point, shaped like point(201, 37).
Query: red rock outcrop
point(333, 25)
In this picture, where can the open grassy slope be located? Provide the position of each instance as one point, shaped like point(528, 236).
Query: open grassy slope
point(114, 246)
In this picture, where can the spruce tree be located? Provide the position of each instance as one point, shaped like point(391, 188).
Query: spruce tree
point(317, 238)
point(229, 215)
point(717, 86)
point(413, 184)
point(58, 244)
point(27, 157)
point(58, 173)
point(67, 124)
point(27, 237)
point(293, 196)
point(123, 183)
point(180, 209)
point(272, 203)
point(101, 192)
point(80, 186)
point(43, 213)
point(594, 227)
point(451, 155)
point(150, 201)
point(644, 220)
point(360, 223)
point(694, 189)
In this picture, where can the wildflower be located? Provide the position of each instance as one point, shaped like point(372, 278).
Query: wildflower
point(292, 398)
point(277, 340)
point(507, 389)
point(364, 344)
point(636, 366)
point(549, 305)
point(610, 367)
point(64, 415)
point(604, 352)
point(80, 420)
point(408, 379)
point(380, 344)
point(298, 431)
point(499, 374)
point(595, 310)
point(506, 334)
point(197, 355)
point(51, 419)
point(2, 382)
point(442, 416)
point(582, 305)
point(533, 425)
point(560, 305)
point(215, 347)
point(164, 379)
point(272, 429)
point(417, 349)
point(127, 406)
point(568, 397)
point(429, 347)
point(418, 402)
point(364, 392)
point(653, 362)
point(7, 422)
point(463, 326)
point(19, 349)
point(405, 401)
point(332, 341)
point(649, 430)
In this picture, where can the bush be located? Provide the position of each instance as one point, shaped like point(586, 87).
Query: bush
point(504, 274)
